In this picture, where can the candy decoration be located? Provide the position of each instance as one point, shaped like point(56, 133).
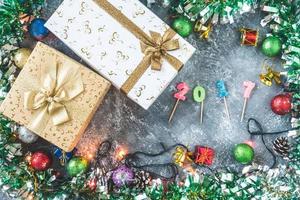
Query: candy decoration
point(122, 176)
point(248, 86)
point(77, 166)
point(182, 26)
point(203, 155)
point(40, 161)
point(63, 156)
point(199, 96)
point(180, 96)
point(21, 56)
point(26, 135)
point(223, 93)
point(281, 104)
point(271, 46)
point(249, 36)
point(243, 153)
point(37, 30)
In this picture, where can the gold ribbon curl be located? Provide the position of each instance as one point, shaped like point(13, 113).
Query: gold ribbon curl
point(155, 47)
point(59, 82)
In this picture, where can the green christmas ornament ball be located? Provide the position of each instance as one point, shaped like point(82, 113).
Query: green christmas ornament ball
point(271, 46)
point(77, 165)
point(243, 153)
point(182, 26)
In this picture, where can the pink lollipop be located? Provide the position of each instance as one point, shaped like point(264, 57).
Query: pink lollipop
point(180, 96)
point(248, 86)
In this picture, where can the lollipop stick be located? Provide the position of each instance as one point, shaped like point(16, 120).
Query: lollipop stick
point(226, 108)
point(244, 108)
point(201, 112)
point(173, 111)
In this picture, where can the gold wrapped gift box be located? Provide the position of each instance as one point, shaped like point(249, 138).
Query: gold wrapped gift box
point(55, 97)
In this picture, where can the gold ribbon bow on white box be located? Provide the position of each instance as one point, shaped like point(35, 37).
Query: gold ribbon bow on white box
point(155, 47)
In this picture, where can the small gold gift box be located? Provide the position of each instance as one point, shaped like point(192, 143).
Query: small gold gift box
point(55, 97)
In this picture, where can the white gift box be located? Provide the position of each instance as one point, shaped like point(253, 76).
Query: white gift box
point(111, 49)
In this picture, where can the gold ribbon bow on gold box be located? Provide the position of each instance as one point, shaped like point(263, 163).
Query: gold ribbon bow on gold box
point(155, 47)
point(60, 82)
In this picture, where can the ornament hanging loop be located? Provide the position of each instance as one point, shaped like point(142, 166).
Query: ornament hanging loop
point(265, 63)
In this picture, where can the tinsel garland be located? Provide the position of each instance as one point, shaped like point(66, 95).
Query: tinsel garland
point(284, 19)
point(255, 182)
point(11, 14)
point(7, 69)
point(213, 9)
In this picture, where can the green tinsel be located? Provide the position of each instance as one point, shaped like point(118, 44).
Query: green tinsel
point(215, 9)
point(155, 192)
point(284, 20)
point(7, 69)
point(11, 29)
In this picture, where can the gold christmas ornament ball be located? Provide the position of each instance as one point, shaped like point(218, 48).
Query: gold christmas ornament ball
point(21, 56)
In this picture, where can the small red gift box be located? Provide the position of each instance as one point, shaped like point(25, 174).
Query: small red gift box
point(203, 155)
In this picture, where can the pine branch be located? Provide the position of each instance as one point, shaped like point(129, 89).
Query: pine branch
point(11, 29)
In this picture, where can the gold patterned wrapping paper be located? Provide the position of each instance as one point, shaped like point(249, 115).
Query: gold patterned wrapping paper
point(80, 109)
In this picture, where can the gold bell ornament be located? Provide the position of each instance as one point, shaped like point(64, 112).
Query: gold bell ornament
point(182, 156)
point(203, 30)
point(269, 75)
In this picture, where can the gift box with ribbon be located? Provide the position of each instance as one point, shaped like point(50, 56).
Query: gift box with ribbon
point(55, 97)
point(125, 42)
point(203, 155)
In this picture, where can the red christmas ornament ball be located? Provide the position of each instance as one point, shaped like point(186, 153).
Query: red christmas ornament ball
point(40, 161)
point(281, 104)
